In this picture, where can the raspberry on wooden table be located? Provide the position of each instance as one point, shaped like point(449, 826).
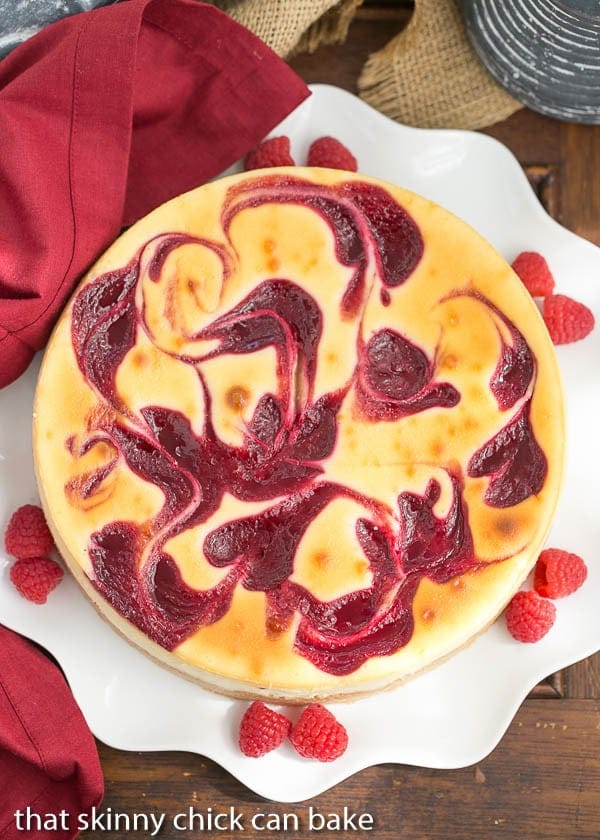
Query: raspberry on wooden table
point(567, 320)
point(36, 577)
point(272, 152)
point(262, 729)
point(27, 533)
point(319, 735)
point(558, 573)
point(534, 273)
point(529, 616)
point(331, 154)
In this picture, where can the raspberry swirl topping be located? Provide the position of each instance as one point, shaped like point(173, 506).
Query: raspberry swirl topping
point(282, 461)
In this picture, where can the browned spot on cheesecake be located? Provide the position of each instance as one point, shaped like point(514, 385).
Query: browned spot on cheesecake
point(449, 361)
point(320, 559)
point(458, 583)
point(428, 614)
point(361, 567)
point(237, 397)
point(506, 525)
point(454, 467)
point(273, 263)
point(277, 625)
point(140, 359)
point(195, 292)
point(256, 666)
point(436, 448)
point(146, 531)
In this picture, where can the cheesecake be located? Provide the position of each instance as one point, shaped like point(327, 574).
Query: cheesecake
point(299, 434)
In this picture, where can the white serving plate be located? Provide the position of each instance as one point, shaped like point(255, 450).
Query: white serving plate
point(455, 714)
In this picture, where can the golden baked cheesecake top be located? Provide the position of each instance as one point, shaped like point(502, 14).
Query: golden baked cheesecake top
point(300, 431)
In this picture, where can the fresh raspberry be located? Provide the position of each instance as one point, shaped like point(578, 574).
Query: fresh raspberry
point(319, 735)
point(533, 270)
point(567, 319)
point(272, 152)
point(36, 577)
point(262, 730)
point(330, 153)
point(529, 616)
point(558, 573)
point(27, 533)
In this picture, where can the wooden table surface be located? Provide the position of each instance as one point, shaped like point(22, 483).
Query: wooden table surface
point(543, 779)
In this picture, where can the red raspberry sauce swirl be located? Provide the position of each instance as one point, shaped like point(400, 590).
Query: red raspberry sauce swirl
point(287, 439)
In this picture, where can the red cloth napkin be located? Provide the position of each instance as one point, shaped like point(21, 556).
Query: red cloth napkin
point(48, 758)
point(105, 115)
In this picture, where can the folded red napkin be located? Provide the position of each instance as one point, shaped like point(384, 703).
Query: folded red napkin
point(48, 758)
point(105, 115)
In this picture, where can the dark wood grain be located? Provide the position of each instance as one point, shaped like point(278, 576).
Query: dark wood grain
point(552, 688)
point(543, 779)
point(580, 148)
point(583, 679)
point(545, 180)
point(340, 65)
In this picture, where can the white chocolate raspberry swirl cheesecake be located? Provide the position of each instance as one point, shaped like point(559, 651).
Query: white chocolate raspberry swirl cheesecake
point(299, 434)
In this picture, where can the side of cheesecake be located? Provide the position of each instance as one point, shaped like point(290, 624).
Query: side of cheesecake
point(299, 434)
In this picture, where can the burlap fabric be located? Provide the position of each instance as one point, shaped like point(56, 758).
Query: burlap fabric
point(427, 75)
point(290, 26)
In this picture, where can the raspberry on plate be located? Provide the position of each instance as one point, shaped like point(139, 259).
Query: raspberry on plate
point(331, 154)
point(558, 573)
point(529, 616)
point(262, 729)
point(319, 735)
point(534, 273)
point(36, 577)
point(272, 152)
point(567, 320)
point(27, 533)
